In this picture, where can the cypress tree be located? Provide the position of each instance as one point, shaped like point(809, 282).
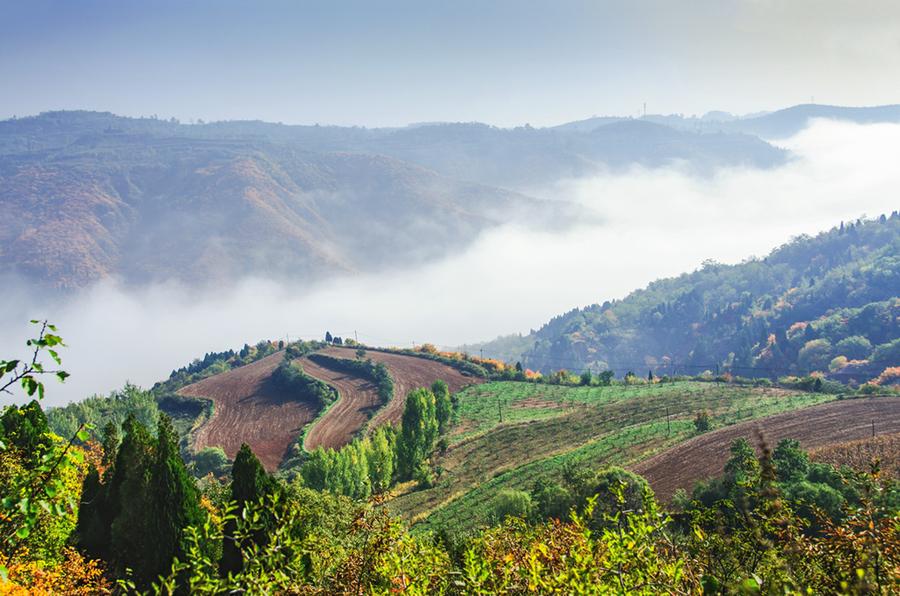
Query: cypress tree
point(175, 500)
point(249, 484)
point(128, 510)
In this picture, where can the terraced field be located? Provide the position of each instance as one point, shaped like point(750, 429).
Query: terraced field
point(358, 400)
point(247, 408)
point(827, 424)
point(408, 373)
point(546, 426)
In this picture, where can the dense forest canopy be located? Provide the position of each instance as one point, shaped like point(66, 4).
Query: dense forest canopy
point(828, 304)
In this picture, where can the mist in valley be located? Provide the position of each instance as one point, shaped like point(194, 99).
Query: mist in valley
point(637, 225)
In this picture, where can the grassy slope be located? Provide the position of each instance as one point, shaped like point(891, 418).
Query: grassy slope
point(546, 426)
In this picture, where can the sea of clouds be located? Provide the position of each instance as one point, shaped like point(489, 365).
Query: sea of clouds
point(640, 225)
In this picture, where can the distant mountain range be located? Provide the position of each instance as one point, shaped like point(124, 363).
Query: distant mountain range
point(90, 195)
point(771, 125)
point(829, 303)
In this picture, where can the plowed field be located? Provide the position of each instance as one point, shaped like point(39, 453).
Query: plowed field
point(358, 401)
point(408, 373)
point(705, 456)
point(249, 409)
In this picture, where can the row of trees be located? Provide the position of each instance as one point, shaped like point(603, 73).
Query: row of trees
point(370, 465)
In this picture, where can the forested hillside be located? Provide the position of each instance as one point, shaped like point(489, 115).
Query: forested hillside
point(828, 304)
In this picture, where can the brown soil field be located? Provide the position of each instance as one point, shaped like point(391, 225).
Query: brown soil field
point(704, 456)
point(248, 409)
point(358, 400)
point(859, 454)
point(408, 373)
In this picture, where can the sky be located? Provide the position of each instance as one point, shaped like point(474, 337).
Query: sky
point(506, 62)
point(510, 280)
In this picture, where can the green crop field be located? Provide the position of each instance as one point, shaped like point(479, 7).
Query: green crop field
point(545, 426)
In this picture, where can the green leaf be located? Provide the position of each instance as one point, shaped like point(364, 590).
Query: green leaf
point(62, 376)
point(23, 532)
point(55, 356)
point(4, 573)
point(51, 327)
point(35, 322)
point(83, 435)
point(29, 385)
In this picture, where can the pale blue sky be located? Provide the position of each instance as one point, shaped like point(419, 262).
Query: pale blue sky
point(391, 63)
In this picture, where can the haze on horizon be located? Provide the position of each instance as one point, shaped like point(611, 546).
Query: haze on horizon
point(386, 64)
point(646, 224)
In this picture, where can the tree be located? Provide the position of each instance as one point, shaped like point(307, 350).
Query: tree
point(210, 460)
point(328, 337)
point(418, 431)
point(511, 503)
point(443, 405)
point(815, 355)
point(791, 462)
point(381, 458)
point(249, 485)
point(855, 347)
point(586, 378)
point(701, 421)
point(175, 501)
point(129, 509)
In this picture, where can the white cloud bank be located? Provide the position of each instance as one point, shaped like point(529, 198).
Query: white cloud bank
point(655, 223)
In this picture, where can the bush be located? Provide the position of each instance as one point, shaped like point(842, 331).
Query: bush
point(210, 460)
point(511, 503)
point(701, 422)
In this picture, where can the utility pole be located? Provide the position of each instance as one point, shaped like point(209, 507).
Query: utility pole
point(668, 426)
point(355, 336)
point(481, 351)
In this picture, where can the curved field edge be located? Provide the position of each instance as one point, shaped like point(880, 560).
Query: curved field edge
point(704, 456)
point(615, 417)
point(348, 415)
point(248, 408)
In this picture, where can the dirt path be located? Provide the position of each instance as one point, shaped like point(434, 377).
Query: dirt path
point(704, 456)
point(357, 402)
point(408, 373)
point(249, 409)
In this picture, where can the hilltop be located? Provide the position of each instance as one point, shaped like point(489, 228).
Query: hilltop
point(828, 303)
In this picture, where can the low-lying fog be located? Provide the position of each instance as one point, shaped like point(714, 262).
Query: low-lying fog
point(655, 223)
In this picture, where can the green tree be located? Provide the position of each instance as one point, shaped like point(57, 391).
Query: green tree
point(210, 460)
point(249, 485)
point(443, 406)
point(511, 503)
point(129, 508)
point(815, 355)
point(418, 431)
point(175, 501)
point(855, 347)
point(791, 462)
point(381, 454)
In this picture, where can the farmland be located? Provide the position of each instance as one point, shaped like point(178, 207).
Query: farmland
point(247, 408)
point(357, 402)
point(860, 453)
point(408, 373)
point(704, 456)
point(546, 426)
